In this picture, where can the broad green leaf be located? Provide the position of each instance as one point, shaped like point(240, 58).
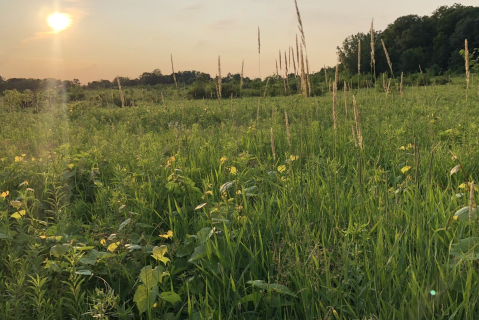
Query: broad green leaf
point(274, 286)
point(90, 258)
point(6, 234)
point(169, 316)
point(150, 277)
point(143, 225)
point(52, 265)
point(276, 302)
point(258, 284)
point(462, 215)
point(135, 238)
point(281, 289)
point(68, 174)
point(185, 250)
point(145, 297)
point(59, 250)
point(105, 255)
point(204, 234)
point(466, 248)
point(132, 247)
point(79, 248)
point(52, 231)
point(180, 265)
point(170, 296)
point(253, 297)
point(199, 252)
point(159, 254)
point(124, 223)
point(84, 272)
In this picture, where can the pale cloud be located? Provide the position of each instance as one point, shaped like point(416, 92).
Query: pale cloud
point(37, 36)
point(193, 7)
point(199, 43)
point(77, 9)
point(90, 67)
point(223, 24)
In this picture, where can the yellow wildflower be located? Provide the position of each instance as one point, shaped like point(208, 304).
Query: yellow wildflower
point(171, 160)
point(293, 157)
point(168, 235)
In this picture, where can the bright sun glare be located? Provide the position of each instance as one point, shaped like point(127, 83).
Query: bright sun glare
point(59, 21)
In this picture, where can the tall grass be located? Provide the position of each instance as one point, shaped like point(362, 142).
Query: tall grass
point(262, 225)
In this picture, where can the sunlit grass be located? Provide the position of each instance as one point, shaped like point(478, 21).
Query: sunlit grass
point(322, 230)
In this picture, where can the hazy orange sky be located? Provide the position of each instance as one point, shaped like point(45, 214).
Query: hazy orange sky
point(121, 37)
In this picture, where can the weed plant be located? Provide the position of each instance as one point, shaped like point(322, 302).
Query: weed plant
point(181, 211)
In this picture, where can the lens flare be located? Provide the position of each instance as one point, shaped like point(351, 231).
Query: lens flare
point(59, 21)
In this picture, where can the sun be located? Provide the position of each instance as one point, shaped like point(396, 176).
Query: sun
point(59, 21)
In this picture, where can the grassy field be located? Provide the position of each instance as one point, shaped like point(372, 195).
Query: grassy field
point(192, 210)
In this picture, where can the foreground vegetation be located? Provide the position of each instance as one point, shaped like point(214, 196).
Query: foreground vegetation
point(199, 210)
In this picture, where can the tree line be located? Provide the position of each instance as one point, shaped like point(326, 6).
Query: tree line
point(417, 44)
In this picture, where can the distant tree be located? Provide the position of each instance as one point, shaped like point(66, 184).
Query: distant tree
point(430, 41)
point(101, 84)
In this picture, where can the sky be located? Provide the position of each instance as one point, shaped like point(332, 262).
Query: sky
point(125, 37)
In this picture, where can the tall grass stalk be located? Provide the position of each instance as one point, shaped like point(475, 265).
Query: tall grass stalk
point(273, 149)
point(173, 71)
point(346, 98)
point(358, 128)
point(401, 85)
point(220, 88)
point(259, 52)
point(241, 80)
point(335, 88)
point(373, 60)
point(466, 58)
point(471, 200)
point(122, 97)
point(359, 63)
point(304, 89)
point(288, 136)
point(387, 57)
